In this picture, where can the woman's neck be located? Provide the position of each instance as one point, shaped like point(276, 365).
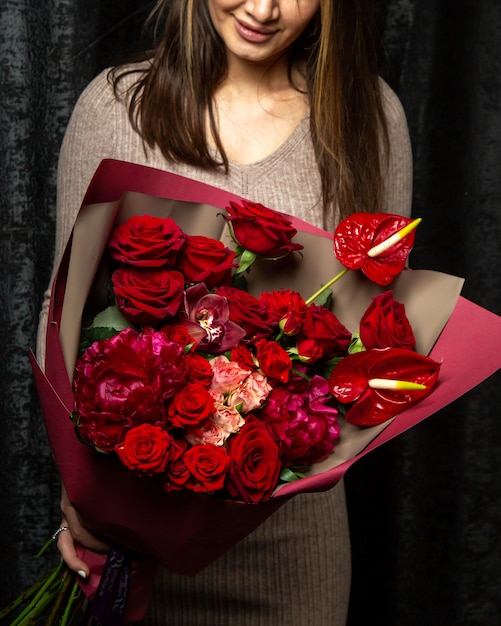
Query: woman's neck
point(272, 77)
point(257, 109)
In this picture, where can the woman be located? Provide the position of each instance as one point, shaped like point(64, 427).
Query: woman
point(278, 101)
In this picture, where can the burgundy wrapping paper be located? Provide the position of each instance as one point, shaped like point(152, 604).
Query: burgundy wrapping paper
point(186, 531)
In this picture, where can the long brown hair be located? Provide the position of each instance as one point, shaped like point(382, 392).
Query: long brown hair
point(336, 53)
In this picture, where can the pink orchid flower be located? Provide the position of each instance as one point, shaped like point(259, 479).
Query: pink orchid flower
point(207, 319)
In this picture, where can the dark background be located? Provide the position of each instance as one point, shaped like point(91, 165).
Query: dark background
point(425, 508)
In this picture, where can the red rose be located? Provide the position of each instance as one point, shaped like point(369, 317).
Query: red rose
point(273, 360)
point(145, 449)
point(285, 307)
point(146, 241)
point(199, 370)
point(178, 475)
point(191, 406)
point(255, 466)
point(147, 297)
point(247, 312)
point(208, 465)
point(205, 260)
point(178, 334)
point(324, 328)
point(124, 381)
point(385, 325)
point(309, 350)
point(261, 230)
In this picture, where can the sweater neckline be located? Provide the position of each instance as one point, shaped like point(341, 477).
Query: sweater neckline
point(268, 161)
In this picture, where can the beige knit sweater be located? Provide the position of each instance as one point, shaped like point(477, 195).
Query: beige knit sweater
point(295, 569)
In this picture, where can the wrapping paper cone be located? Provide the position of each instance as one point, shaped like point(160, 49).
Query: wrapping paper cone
point(186, 531)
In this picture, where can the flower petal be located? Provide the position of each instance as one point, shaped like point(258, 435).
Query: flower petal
point(356, 235)
point(349, 382)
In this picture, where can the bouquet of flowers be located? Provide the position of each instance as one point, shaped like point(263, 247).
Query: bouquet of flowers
point(192, 381)
point(186, 344)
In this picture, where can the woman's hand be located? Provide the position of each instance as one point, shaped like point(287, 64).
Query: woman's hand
point(76, 532)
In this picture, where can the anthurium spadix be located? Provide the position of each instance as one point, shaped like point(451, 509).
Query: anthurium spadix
point(381, 383)
point(376, 243)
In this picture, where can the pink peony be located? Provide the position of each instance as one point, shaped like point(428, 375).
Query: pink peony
point(124, 381)
point(301, 421)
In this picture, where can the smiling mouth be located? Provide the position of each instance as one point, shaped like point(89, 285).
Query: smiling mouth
point(252, 35)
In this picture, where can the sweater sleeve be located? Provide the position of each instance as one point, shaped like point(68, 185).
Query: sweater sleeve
point(398, 182)
point(88, 140)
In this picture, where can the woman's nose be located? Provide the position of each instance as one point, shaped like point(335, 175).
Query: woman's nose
point(263, 10)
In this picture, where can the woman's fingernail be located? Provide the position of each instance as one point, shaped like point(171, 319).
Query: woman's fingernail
point(82, 574)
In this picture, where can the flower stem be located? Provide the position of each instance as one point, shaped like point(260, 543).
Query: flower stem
point(23, 597)
point(68, 612)
point(44, 589)
point(61, 598)
point(327, 285)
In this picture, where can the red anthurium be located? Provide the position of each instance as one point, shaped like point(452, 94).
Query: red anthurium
point(382, 383)
point(359, 243)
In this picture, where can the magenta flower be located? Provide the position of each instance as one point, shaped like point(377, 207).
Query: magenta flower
point(123, 382)
point(302, 422)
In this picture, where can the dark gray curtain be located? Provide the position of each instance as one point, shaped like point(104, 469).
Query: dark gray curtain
point(424, 509)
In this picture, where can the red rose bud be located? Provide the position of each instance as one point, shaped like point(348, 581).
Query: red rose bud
point(148, 297)
point(177, 333)
point(145, 449)
point(385, 325)
point(382, 383)
point(261, 230)
point(273, 360)
point(146, 241)
point(206, 260)
point(358, 237)
point(308, 350)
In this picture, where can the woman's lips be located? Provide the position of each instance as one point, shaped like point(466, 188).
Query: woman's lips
point(254, 36)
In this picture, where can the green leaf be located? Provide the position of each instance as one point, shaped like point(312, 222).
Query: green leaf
point(329, 365)
point(111, 318)
point(240, 282)
point(238, 248)
point(105, 325)
point(356, 344)
point(289, 475)
point(324, 299)
point(246, 260)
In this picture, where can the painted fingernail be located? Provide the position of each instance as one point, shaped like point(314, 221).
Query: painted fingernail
point(82, 574)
